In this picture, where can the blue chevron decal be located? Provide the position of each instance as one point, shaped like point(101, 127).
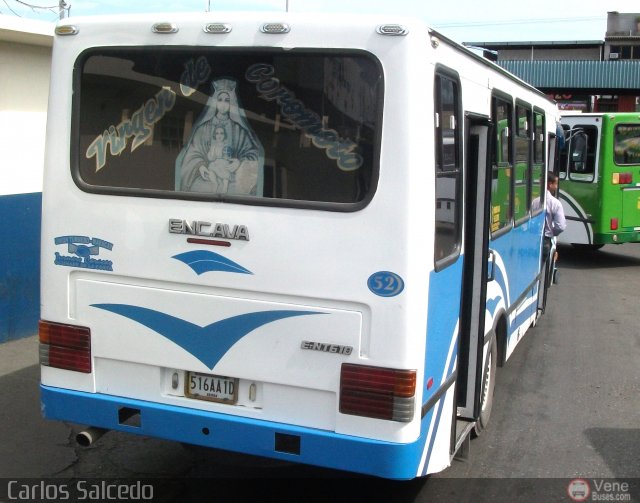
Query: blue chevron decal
point(208, 344)
point(202, 261)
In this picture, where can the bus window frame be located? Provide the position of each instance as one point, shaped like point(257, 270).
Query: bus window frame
point(563, 153)
point(582, 128)
point(441, 72)
point(615, 129)
point(508, 100)
point(544, 161)
point(529, 109)
point(339, 207)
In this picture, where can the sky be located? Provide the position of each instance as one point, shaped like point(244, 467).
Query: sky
point(460, 20)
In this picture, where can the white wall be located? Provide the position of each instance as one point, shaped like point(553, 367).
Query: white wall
point(25, 61)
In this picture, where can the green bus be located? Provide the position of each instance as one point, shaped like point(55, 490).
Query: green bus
point(599, 169)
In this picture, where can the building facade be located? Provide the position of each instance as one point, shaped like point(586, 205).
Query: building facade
point(590, 76)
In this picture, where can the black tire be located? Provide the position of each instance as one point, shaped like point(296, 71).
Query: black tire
point(486, 391)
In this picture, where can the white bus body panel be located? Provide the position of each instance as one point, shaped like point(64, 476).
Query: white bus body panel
point(297, 257)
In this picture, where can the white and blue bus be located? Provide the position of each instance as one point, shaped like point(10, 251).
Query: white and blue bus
point(303, 237)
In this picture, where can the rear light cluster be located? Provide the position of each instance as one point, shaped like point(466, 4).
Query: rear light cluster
point(65, 346)
point(621, 178)
point(377, 392)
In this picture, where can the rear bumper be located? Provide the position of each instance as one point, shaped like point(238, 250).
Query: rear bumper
point(233, 433)
point(617, 237)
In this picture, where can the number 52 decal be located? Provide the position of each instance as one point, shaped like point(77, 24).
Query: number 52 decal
point(385, 284)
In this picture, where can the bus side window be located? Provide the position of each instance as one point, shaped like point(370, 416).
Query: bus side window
point(522, 167)
point(538, 167)
point(563, 151)
point(502, 164)
point(579, 153)
point(582, 154)
point(626, 149)
point(447, 149)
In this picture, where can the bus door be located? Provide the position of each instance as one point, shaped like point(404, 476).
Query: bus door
point(579, 173)
point(474, 287)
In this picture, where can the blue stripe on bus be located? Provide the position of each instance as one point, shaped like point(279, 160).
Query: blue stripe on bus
point(442, 320)
point(234, 433)
point(523, 316)
point(499, 278)
point(443, 313)
point(439, 410)
point(521, 263)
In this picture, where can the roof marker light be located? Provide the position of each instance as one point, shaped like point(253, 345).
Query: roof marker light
point(392, 29)
point(164, 28)
point(217, 28)
point(275, 28)
point(66, 30)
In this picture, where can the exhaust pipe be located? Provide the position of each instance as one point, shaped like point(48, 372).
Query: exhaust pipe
point(90, 435)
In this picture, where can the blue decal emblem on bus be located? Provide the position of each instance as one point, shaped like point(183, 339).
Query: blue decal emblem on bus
point(208, 344)
point(202, 261)
point(492, 304)
point(82, 250)
point(385, 284)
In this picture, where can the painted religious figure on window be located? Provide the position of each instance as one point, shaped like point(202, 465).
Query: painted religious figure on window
point(223, 154)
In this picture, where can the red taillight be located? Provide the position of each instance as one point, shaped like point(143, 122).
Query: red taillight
point(65, 346)
point(614, 224)
point(621, 178)
point(377, 392)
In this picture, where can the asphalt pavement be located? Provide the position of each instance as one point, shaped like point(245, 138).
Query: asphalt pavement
point(24, 431)
point(566, 407)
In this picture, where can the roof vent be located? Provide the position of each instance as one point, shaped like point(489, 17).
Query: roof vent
point(217, 28)
point(392, 29)
point(275, 28)
point(164, 28)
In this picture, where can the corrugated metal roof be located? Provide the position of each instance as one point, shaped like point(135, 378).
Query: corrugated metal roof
point(535, 45)
point(577, 74)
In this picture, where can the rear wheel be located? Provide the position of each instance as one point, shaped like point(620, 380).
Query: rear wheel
point(488, 385)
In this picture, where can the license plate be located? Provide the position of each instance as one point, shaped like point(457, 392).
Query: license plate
point(212, 388)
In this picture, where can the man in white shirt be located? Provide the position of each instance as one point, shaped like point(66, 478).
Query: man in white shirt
point(554, 221)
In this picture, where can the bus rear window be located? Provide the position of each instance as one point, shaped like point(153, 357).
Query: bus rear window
point(265, 126)
point(626, 149)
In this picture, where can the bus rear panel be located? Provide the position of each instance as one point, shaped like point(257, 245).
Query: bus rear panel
point(246, 244)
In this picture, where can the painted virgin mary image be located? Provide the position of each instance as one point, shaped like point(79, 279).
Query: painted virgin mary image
point(223, 155)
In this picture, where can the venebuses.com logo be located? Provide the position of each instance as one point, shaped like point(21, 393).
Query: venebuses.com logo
point(579, 490)
point(598, 490)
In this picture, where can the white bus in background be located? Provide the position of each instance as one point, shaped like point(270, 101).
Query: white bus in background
point(244, 241)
